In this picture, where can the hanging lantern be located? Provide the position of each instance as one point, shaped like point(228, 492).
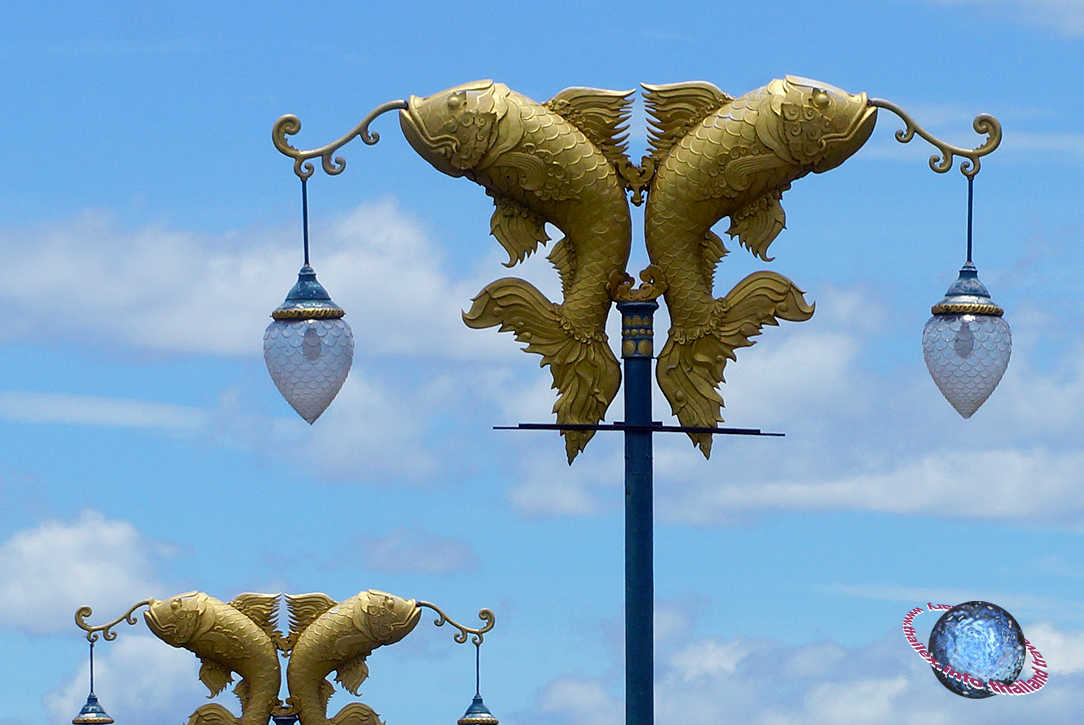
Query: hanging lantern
point(967, 343)
point(92, 712)
point(308, 347)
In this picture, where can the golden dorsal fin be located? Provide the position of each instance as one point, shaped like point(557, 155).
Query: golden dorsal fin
point(712, 250)
point(304, 609)
point(602, 116)
point(674, 109)
point(263, 609)
point(563, 259)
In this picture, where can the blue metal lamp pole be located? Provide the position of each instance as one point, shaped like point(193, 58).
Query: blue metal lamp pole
point(637, 354)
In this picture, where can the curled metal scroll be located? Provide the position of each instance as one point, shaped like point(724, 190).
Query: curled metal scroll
point(290, 124)
point(486, 615)
point(984, 123)
point(82, 613)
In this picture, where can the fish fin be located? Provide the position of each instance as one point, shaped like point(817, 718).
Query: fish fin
point(212, 714)
point(241, 690)
point(517, 228)
point(356, 713)
point(673, 109)
point(738, 174)
point(326, 691)
point(602, 115)
point(758, 224)
point(304, 610)
point(585, 371)
point(262, 609)
point(712, 250)
point(351, 674)
point(533, 173)
point(214, 675)
point(690, 366)
point(563, 259)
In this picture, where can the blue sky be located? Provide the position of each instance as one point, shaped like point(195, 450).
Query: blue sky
point(148, 227)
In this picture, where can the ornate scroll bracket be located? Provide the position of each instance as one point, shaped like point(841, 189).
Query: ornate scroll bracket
point(637, 178)
point(984, 123)
point(486, 615)
point(82, 613)
point(290, 124)
point(621, 289)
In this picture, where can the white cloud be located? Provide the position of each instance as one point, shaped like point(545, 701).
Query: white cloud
point(161, 290)
point(577, 700)
point(1018, 485)
point(138, 679)
point(25, 407)
point(48, 572)
point(1062, 650)
point(822, 683)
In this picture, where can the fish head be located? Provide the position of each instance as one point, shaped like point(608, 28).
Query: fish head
point(818, 125)
point(390, 618)
point(453, 129)
point(175, 620)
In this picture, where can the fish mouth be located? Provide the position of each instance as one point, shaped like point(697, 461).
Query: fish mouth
point(419, 138)
point(843, 145)
point(436, 146)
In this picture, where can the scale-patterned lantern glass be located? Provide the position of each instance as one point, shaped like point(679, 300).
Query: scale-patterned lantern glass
point(308, 347)
point(967, 343)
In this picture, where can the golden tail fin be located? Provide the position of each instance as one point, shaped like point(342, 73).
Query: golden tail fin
point(690, 366)
point(585, 371)
point(212, 714)
point(356, 713)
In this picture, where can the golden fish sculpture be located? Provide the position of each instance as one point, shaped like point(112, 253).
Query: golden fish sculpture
point(326, 635)
point(238, 636)
point(552, 163)
point(716, 156)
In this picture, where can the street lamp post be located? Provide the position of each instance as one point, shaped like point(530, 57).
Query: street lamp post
point(563, 163)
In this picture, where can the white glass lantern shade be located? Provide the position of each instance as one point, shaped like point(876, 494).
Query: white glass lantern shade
point(308, 347)
point(967, 343)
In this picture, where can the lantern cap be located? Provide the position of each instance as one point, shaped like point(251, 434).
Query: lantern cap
point(967, 296)
point(307, 300)
point(477, 714)
point(92, 713)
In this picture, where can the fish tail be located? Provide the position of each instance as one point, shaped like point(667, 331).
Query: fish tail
point(690, 365)
point(356, 713)
point(212, 714)
point(585, 371)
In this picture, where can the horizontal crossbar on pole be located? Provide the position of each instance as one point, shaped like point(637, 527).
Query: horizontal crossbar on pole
point(657, 426)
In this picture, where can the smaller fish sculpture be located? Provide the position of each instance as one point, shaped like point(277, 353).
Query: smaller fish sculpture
point(551, 163)
point(326, 635)
point(718, 156)
point(238, 636)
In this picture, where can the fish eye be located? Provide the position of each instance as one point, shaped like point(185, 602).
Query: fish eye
point(455, 101)
point(821, 99)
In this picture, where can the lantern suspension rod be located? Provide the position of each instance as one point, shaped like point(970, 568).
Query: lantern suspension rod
point(477, 670)
point(305, 216)
point(92, 667)
point(290, 124)
point(984, 123)
point(970, 212)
